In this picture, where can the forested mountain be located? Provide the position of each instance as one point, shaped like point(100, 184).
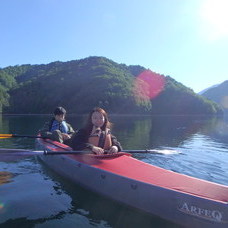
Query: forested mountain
point(80, 85)
point(219, 94)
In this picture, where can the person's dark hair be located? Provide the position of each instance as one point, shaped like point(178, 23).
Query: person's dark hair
point(89, 125)
point(60, 111)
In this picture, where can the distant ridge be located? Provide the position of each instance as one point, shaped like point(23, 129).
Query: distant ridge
point(218, 94)
point(203, 91)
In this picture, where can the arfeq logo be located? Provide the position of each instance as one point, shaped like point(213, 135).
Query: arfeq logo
point(212, 215)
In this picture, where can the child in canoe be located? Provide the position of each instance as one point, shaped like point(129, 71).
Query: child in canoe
point(57, 129)
point(96, 135)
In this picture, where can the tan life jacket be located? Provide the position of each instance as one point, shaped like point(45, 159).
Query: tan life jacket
point(101, 139)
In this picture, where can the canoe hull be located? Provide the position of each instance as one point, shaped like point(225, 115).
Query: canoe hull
point(176, 206)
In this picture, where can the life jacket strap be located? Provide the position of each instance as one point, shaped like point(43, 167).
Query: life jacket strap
point(102, 138)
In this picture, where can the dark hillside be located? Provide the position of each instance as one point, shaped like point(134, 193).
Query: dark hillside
point(79, 85)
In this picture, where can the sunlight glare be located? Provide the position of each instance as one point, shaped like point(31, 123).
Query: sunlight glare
point(215, 18)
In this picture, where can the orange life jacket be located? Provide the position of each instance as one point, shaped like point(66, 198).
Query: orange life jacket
point(101, 139)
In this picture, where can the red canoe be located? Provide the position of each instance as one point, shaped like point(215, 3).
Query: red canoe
point(179, 198)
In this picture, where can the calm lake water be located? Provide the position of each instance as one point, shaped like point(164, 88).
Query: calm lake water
point(32, 195)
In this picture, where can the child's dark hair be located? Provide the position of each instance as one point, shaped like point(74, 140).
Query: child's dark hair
point(60, 111)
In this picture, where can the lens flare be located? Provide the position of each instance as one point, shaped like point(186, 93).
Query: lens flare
point(148, 85)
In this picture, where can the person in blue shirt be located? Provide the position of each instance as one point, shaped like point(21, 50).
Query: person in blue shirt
point(57, 129)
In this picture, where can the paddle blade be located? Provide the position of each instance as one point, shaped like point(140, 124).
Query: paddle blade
point(5, 136)
point(15, 154)
point(7, 155)
point(154, 151)
point(165, 152)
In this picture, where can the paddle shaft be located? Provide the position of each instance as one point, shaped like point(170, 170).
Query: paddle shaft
point(139, 151)
point(12, 152)
point(126, 151)
point(89, 152)
point(31, 152)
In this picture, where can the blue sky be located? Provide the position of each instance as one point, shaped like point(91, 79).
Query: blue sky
point(186, 39)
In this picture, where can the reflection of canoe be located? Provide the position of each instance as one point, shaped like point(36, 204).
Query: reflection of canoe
point(172, 196)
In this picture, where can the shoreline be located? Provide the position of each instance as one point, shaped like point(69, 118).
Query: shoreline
point(111, 114)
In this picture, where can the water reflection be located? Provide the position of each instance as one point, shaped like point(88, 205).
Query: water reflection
point(38, 197)
point(134, 132)
point(97, 211)
point(5, 177)
point(58, 203)
point(165, 131)
point(216, 129)
point(30, 197)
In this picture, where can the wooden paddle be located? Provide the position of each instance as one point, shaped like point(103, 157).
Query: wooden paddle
point(5, 136)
